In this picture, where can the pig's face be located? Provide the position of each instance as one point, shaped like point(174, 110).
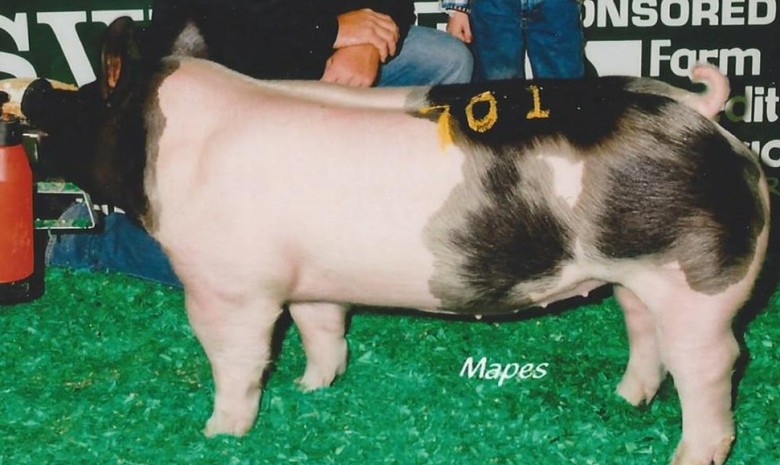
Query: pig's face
point(95, 136)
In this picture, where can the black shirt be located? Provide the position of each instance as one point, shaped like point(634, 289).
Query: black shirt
point(271, 39)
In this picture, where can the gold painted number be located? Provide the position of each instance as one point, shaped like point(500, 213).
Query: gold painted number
point(486, 122)
point(536, 111)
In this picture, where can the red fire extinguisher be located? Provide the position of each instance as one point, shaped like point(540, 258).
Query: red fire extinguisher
point(16, 214)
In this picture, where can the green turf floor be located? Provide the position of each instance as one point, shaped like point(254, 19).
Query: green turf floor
point(104, 369)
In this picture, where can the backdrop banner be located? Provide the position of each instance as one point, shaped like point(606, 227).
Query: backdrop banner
point(658, 38)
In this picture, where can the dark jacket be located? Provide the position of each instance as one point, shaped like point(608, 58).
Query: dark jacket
point(272, 39)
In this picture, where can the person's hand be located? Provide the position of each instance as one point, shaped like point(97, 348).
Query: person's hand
point(356, 66)
point(458, 25)
point(367, 27)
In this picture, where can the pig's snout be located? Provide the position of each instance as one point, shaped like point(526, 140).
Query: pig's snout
point(39, 105)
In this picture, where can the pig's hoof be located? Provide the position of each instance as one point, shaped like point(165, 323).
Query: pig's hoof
point(315, 379)
point(716, 454)
point(220, 424)
point(311, 383)
point(321, 371)
point(635, 391)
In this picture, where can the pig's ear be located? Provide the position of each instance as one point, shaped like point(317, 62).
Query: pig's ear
point(120, 53)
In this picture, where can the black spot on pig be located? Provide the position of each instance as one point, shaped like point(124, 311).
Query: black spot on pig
point(154, 120)
point(506, 243)
point(675, 189)
point(494, 232)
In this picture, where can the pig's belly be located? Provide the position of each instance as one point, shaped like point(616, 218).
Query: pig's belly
point(389, 286)
point(372, 260)
point(397, 269)
point(406, 284)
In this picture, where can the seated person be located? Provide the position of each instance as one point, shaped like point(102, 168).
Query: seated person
point(355, 42)
point(359, 43)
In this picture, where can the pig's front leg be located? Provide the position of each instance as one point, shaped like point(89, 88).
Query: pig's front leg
point(235, 332)
point(645, 371)
point(322, 327)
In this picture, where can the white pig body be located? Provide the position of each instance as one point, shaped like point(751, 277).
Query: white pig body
point(291, 194)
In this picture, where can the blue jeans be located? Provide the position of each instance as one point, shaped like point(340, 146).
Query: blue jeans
point(428, 57)
point(549, 31)
point(120, 246)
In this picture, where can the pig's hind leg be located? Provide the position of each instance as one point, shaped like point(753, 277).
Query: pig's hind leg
point(697, 346)
point(235, 332)
point(322, 326)
point(645, 370)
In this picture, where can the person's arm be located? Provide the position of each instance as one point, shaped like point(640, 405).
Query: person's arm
point(359, 65)
point(365, 39)
point(458, 25)
point(367, 27)
point(401, 11)
point(356, 66)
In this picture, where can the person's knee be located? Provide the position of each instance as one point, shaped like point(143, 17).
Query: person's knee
point(457, 62)
point(435, 57)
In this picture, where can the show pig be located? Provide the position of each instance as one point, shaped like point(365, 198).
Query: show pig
point(468, 199)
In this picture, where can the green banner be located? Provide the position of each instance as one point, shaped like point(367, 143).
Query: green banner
point(657, 38)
